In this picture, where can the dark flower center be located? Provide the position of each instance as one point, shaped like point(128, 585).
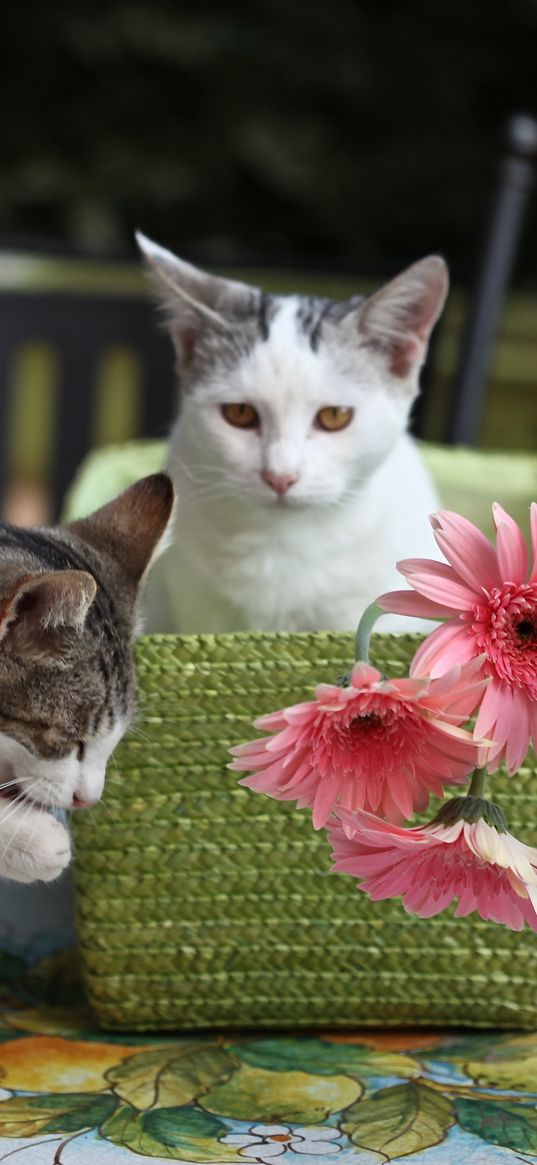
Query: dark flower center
point(526, 630)
point(505, 629)
point(371, 720)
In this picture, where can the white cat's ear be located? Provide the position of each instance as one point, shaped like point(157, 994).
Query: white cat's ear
point(194, 301)
point(131, 528)
point(42, 604)
point(399, 318)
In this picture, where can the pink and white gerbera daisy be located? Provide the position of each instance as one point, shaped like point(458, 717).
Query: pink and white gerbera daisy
point(488, 871)
point(489, 599)
point(379, 744)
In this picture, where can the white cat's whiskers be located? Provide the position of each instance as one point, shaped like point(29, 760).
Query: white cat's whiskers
point(205, 472)
point(187, 470)
point(214, 484)
point(210, 490)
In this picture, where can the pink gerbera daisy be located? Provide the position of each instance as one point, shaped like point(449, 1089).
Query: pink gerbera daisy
point(486, 870)
point(490, 602)
point(379, 744)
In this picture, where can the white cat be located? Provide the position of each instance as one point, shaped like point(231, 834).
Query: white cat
point(298, 486)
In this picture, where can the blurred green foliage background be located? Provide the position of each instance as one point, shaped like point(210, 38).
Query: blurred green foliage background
point(355, 133)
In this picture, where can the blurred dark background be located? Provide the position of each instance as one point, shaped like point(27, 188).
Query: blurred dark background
point(315, 147)
point(353, 134)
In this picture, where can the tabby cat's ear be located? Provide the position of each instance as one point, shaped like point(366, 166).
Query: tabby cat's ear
point(131, 528)
point(41, 605)
point(398, 320)
point(194, 301)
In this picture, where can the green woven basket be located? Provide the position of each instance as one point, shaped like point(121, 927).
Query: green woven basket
point(203, 904)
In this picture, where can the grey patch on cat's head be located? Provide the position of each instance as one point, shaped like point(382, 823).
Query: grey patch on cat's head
point(68, 603)
point(331, 311)
point(218, 321)
point(266, 308)
point(310, 314)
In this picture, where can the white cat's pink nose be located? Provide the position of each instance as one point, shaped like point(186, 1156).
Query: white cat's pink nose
point(82, 802)
point(279, 482)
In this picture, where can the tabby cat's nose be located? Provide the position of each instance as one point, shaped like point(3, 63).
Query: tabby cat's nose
point(279, 482)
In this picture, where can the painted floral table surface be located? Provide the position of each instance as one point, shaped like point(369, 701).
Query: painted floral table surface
point(72, 1095)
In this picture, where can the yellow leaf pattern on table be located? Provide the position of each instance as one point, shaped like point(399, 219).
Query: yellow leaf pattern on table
point(285, 1096)
point(361, 1097)
point(53, 1064)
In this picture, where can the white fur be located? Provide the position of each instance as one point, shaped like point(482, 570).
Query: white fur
point(244, 558)
point(33, 845)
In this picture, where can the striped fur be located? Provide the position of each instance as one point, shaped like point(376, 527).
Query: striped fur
point(68, 610)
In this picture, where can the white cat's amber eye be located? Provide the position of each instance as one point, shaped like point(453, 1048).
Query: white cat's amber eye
point(242, 415)
point(333, 418)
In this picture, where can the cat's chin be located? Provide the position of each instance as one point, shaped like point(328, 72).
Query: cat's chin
point(298, 505)
point(282, 503)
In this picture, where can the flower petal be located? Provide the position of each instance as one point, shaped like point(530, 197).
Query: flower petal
point(519, 732)
point(430, 866)
point(324, 801)
point(447, 645)
point(261, 1150)
point(467, 549)
point(532, 713)
point(413, 604)
point(272, 721)
point(270, 1130)
point(325, 1148)
point(510, 546)
point(439, 582)
point(502, 727)
point(363, 675)
point(489, 710)
point(533, 526)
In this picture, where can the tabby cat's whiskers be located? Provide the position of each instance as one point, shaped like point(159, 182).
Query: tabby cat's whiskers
point(68, 608)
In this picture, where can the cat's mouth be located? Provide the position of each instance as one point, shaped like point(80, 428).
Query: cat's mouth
point(11, 790)
point(15, 792)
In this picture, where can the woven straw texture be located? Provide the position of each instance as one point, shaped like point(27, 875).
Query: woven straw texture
point(203, 904)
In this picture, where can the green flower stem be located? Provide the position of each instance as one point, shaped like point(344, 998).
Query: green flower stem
point(477, 784)
point(363, 634)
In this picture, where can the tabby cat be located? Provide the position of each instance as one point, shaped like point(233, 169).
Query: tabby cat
point(298, 485)
point(68, 614)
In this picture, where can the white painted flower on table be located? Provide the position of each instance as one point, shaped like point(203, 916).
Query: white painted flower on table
point(266, 1142)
